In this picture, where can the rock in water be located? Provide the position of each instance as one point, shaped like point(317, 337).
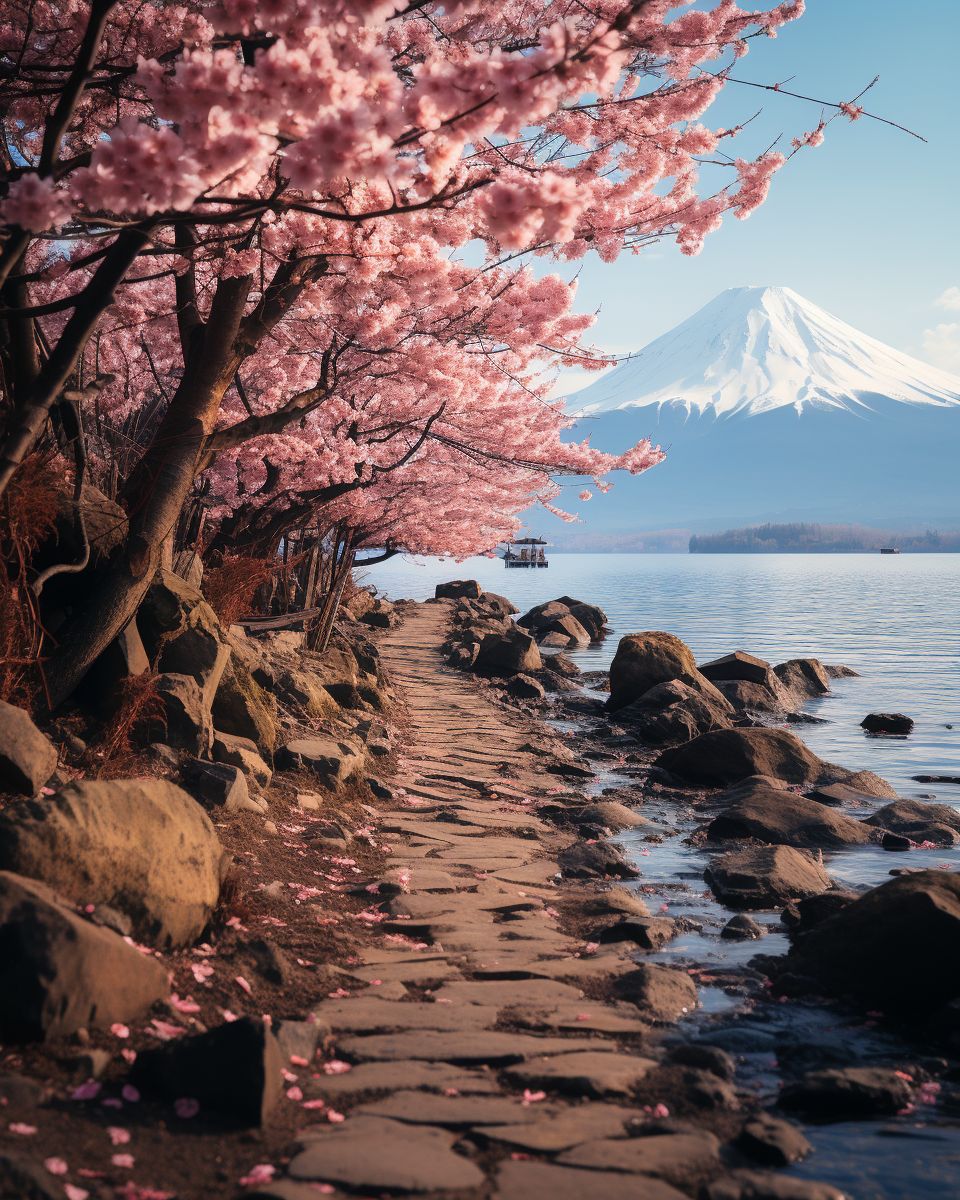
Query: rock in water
point(895, 723)
point(59, 973)
point(233, 1069)
point(773, 1142)
point(741, 928)
point(729, 755)
point(771, 814)
point(804, 677)
point(920, 821)
point(896, 949)
point(458, 589)
point(848, 1092)
point(764, 876)
point(738, 665)
point(142, 846)
point(675, 712)
point(663, 993)
point(642, 661)
point(27, 757)
point(595, 860)
point(505, 654)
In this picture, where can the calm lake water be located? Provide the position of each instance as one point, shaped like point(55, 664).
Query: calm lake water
point(895, 619)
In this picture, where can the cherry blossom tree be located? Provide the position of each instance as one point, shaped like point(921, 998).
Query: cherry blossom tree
point(286, 241)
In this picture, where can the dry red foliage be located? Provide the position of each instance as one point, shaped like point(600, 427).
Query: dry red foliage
point(230, 588)
point(138, 703)
point(28, 514)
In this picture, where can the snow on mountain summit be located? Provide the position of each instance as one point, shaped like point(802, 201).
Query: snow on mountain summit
point(755, 349)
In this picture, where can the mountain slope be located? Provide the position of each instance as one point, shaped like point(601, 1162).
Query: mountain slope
point(755, 349)
point(771, 409)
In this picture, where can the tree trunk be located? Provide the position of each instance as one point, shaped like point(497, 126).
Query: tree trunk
point(156, 493)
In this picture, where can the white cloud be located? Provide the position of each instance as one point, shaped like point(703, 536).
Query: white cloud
point(950, 299)
point(942, 343)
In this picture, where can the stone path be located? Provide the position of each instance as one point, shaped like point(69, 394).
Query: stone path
point(479, 1067)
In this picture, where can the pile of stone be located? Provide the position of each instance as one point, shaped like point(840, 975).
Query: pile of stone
point(525, 655)
point(90, 867)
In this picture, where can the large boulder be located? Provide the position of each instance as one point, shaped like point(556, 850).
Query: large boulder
point(887, 723)
point(507, 654)
point(498, 604)
point(920, 821)
point(567, 626)
point(593, 619)
point(525, 687)
point(241, 752)
point(642, 661)
point(104, 523)
point(141, 846)
point(458, 589)
point(219, 787)
point(185, 722)
point(896, 949)
point(674, 712)
point(59, 973)
point(243, 708)
point(771, 814)
point(234, 1069)
point(805, 677)
point(765, 876)
point(542, 614)
point(198, 650)
point(27, 757)
point(332, 761)
point(738, 665)
point(165, 610)
point(728, 755)
point(749, 697)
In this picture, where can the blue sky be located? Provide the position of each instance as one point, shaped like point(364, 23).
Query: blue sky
point(865, 225)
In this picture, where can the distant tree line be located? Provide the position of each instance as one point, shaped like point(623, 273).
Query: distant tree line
point(799, 538)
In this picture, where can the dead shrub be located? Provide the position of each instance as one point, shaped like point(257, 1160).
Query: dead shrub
point(138, 704)
point(230, 588)
point(28, 517)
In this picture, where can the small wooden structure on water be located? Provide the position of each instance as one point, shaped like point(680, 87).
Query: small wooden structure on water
point(529, 553)
point(889, 550)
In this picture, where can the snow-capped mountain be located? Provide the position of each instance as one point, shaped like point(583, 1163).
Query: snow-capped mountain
point(754, 349)
point(771, 409)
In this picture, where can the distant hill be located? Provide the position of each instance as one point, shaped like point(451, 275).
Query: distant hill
point(799, 538)
point(773, 410)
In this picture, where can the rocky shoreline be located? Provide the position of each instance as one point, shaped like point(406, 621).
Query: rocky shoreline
point(364, 923)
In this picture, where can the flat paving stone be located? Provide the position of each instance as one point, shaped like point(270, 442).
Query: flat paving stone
point(592, 1072)
point(419, 1108)
point(532, 873)
point(536, 1181)
point(371, 1015)
point(370, 1152)
point(507, 993)
point(675, 1157)
point(484, 1047)
point(550, 1132)
point(403, 1073)
point(584, 1015)
point(407, 971)
point(423, 879)
point(520, 964)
